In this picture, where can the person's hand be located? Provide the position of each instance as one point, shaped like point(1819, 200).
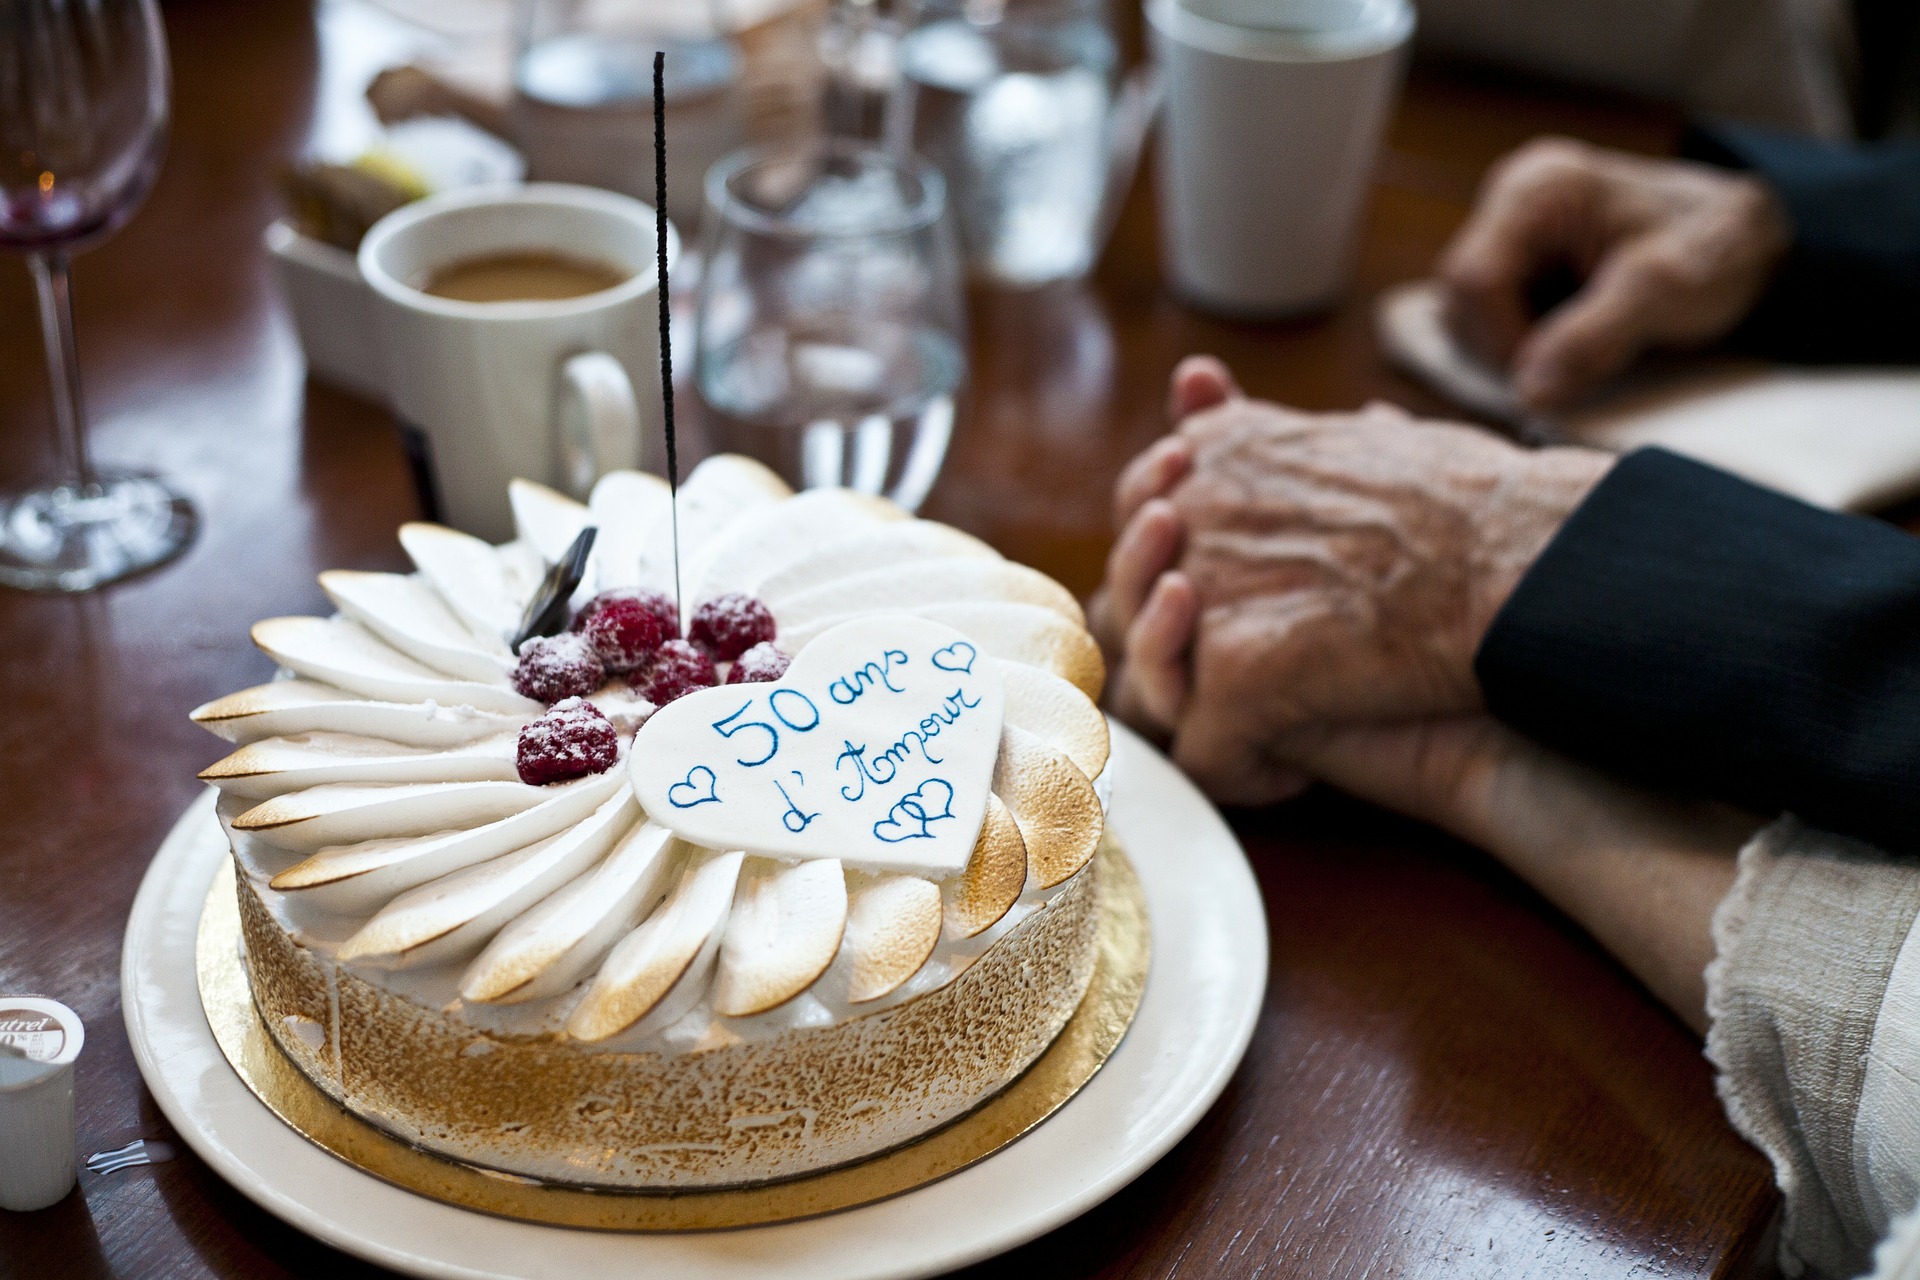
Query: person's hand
point(1144, 612)
point(1332, 569)
point(1670, 253)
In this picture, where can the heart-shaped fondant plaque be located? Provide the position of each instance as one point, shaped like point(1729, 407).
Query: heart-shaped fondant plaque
point(876, 747)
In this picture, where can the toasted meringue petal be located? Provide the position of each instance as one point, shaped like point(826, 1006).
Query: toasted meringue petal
point(976, 899)
point(470, 575)
point(1057, 713)
point(556, 944)
point(786, 924)
point(670, 955)
point(723, 491)
point(346, 812)
point(1012, 632)
point(362, 877)
point(546, 520)
point(927, 582)
point(893, 925)
point(1027, 633)
point(282, 708)
point(454, 916)
point(900, 542)
point(626, 506)
point(1052, 803)
point(779, 533)
point(341, 652)
point(410, 616)
point(726, 485)
point(276, 766)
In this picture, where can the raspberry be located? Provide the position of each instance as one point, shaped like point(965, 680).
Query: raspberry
point(625, 627)
point(556, 667)
point(677, 669)
point(765, 661)
point(727, 626)
point(573, 739)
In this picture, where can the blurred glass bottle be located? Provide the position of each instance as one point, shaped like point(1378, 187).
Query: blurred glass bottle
point(860, 55)
point(583, 94)
point(1022, 106)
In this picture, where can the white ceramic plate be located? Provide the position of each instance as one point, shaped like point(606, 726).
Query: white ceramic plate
point(1202, 999)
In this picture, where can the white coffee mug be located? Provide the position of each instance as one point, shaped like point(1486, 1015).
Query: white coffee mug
point(556, 391)
point(1274, 114)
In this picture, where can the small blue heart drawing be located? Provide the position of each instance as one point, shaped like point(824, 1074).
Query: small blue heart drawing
point(949, 658)
point(692, 791)
point(916, 808)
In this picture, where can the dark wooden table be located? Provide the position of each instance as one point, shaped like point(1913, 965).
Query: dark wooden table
point(1449, 1078)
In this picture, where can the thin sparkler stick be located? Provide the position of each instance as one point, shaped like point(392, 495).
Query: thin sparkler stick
point(666, 311)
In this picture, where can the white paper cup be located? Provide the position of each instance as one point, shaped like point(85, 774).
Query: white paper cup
point(1274, 114)
point(39, 1039)
point(555, 391)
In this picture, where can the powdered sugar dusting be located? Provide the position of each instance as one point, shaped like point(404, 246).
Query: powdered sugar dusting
point(552, 668)
point(727, 626)
point(571, 740)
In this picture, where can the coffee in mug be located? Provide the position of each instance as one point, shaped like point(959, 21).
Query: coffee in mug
point(521, 331)
point(527, 276)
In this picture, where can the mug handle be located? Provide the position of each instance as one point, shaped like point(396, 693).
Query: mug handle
point(597, 420)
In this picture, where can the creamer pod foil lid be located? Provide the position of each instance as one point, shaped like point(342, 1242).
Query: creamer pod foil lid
point(37, 1037)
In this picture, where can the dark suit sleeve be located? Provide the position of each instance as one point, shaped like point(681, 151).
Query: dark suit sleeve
point(1849, 288)
point(1703, 634)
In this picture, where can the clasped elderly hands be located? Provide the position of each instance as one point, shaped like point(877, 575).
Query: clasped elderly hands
point(1300, 595)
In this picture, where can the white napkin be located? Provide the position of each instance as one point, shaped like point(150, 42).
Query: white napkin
point(1845, 438)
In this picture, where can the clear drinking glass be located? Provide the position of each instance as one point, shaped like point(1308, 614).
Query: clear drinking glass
point(831, 323)
point(1015, 100)
point(83, 125)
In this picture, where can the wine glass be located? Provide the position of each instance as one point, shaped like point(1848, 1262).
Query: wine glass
point(831, 324)
point(83, 125)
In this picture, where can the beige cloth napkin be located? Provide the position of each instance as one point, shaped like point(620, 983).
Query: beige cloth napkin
point(1845, 438)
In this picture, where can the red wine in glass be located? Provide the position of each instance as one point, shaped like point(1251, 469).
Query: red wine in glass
point(83, 126)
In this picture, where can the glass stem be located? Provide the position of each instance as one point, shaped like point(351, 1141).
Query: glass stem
point(52, 280)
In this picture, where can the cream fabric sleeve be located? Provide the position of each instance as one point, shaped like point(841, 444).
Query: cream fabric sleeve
point(1814, 1002)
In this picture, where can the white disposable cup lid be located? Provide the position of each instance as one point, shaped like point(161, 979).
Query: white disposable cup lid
point(37, 1038)
point(1287, 30)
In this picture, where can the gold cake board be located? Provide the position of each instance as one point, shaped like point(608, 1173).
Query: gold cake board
point(1089, 1038)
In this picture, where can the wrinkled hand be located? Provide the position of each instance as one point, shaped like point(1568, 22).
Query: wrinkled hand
point(1333, 570)
point(1671, 254)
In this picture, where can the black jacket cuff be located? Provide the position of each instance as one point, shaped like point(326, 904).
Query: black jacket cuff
point(1697, 632)
point(1849, 286)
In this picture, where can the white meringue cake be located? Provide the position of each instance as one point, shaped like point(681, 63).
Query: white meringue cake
point(670, 913)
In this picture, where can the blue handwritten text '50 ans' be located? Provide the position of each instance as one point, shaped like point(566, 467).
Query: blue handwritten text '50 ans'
point(877, 747)
point(758, 737)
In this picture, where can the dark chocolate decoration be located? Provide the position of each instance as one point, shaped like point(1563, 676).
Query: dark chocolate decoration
point(547, 613)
